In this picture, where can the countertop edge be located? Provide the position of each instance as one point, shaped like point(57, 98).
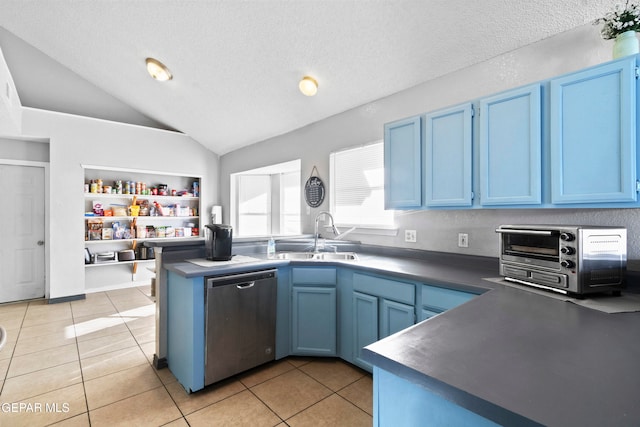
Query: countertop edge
point(453, 394)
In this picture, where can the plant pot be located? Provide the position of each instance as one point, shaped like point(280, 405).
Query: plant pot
point(626, 44)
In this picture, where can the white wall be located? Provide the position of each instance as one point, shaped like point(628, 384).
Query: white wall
point(10, 107)
point(437, 230)
point(77, 141)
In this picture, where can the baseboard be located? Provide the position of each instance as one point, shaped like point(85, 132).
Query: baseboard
point(67, 299)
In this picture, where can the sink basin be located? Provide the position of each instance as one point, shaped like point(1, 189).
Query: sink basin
point(336, 256)
point(319, 256)
point(294, 255)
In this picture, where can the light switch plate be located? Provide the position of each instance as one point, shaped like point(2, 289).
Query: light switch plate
point(463, 240)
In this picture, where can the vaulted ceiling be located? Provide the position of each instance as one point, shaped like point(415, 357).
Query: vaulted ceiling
point(236, 64)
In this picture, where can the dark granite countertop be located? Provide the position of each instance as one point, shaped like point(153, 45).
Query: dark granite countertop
point(513, 356)
point(519, 358)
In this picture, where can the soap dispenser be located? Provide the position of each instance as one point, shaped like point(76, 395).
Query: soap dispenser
point(271, 248)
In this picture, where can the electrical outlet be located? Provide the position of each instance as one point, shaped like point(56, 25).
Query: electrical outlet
point(410, 236)
point(463, 240)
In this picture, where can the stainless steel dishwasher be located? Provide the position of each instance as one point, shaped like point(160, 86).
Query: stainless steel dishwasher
point(240, 327)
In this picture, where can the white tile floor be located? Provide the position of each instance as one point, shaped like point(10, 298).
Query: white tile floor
point(88, 363)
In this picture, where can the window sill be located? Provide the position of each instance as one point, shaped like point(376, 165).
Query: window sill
point(372, 230)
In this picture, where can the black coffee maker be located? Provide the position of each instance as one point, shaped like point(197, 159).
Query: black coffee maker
point(218, 241)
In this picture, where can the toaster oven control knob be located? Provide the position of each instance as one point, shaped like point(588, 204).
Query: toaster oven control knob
point(567, 237)
point(567, 263)
point(568, 250)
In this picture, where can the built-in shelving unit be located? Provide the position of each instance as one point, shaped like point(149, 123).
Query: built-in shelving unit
point(111, 225)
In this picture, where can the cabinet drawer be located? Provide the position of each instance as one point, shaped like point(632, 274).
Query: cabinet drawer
point(443, 298)
point(385, 288)
point(313, 276)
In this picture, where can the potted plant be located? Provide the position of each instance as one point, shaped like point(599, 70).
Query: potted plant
point(621, 24)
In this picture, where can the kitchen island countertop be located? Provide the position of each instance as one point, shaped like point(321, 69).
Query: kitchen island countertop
point(509, 355)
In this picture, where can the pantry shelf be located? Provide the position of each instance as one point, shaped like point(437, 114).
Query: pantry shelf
point(143, 217)
point(111, 263)
point(138, 196)
point(133, 219)
point(144, 239)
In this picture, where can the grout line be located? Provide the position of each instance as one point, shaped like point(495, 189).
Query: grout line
point(13, 351)
point(84, 389)
point(298, 365)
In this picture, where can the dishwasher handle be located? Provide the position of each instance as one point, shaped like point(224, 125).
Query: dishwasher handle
point(240, 278)
point(245, 285)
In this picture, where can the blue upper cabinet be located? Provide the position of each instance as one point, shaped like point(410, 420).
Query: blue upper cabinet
point(566, 142)
point(593, 135)
point(402, 164)
point(510, 148)
point(448, 157)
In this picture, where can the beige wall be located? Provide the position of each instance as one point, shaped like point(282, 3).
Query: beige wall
point(75, 141)
point(437, 230)
point(10, 107)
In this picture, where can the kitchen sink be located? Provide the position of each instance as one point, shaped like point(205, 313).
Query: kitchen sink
point(336, 256)
point(294, 255)
point(326, 256)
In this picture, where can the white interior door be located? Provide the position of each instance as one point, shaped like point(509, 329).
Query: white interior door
point(22, 269)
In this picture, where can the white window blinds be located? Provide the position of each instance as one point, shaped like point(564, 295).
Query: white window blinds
point(357, 187)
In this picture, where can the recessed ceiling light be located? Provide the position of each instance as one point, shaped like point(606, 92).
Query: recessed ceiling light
point(308, 86)
point(158, 70)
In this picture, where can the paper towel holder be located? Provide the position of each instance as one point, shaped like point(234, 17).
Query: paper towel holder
point(216, 215)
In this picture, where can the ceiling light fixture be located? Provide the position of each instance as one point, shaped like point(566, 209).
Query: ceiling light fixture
point(308, 86)
point(158, 70)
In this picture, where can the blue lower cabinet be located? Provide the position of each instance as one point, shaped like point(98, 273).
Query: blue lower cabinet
point(283, 317)
point(186, 330)
point(399, 402)
point(427, 313)
point(314, 308)
point(375, 318)
point(436, 299)
point(381, 306)
point(365, 325)
point(314, 327)
point(395, 317)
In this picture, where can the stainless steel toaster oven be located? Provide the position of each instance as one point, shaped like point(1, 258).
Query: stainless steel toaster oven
point(567, 259)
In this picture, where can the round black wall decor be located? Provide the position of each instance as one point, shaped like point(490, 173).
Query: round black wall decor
point(314, 190)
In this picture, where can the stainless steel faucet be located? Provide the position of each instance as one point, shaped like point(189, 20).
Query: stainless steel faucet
point(315, 233)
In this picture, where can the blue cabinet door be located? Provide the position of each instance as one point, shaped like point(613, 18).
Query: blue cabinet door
point(365, 325)
point(283, 317)
point(314, 328)
point(448, 157)
point(510, 148)
point(428, 313)
point(593, 134)
point(399, 402)
point(402, 164)
point(395, 317)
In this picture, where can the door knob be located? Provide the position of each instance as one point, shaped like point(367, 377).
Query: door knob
point(40, 242)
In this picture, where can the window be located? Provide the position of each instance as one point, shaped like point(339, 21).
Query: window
point(357, 187)
point(266, 201)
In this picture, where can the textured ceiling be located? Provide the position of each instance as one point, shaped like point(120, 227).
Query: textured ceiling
point(236, 64)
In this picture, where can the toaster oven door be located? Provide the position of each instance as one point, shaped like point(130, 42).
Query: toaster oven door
point(530, 247)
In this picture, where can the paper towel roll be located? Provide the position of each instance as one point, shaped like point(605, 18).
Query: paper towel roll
point(216, 215)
